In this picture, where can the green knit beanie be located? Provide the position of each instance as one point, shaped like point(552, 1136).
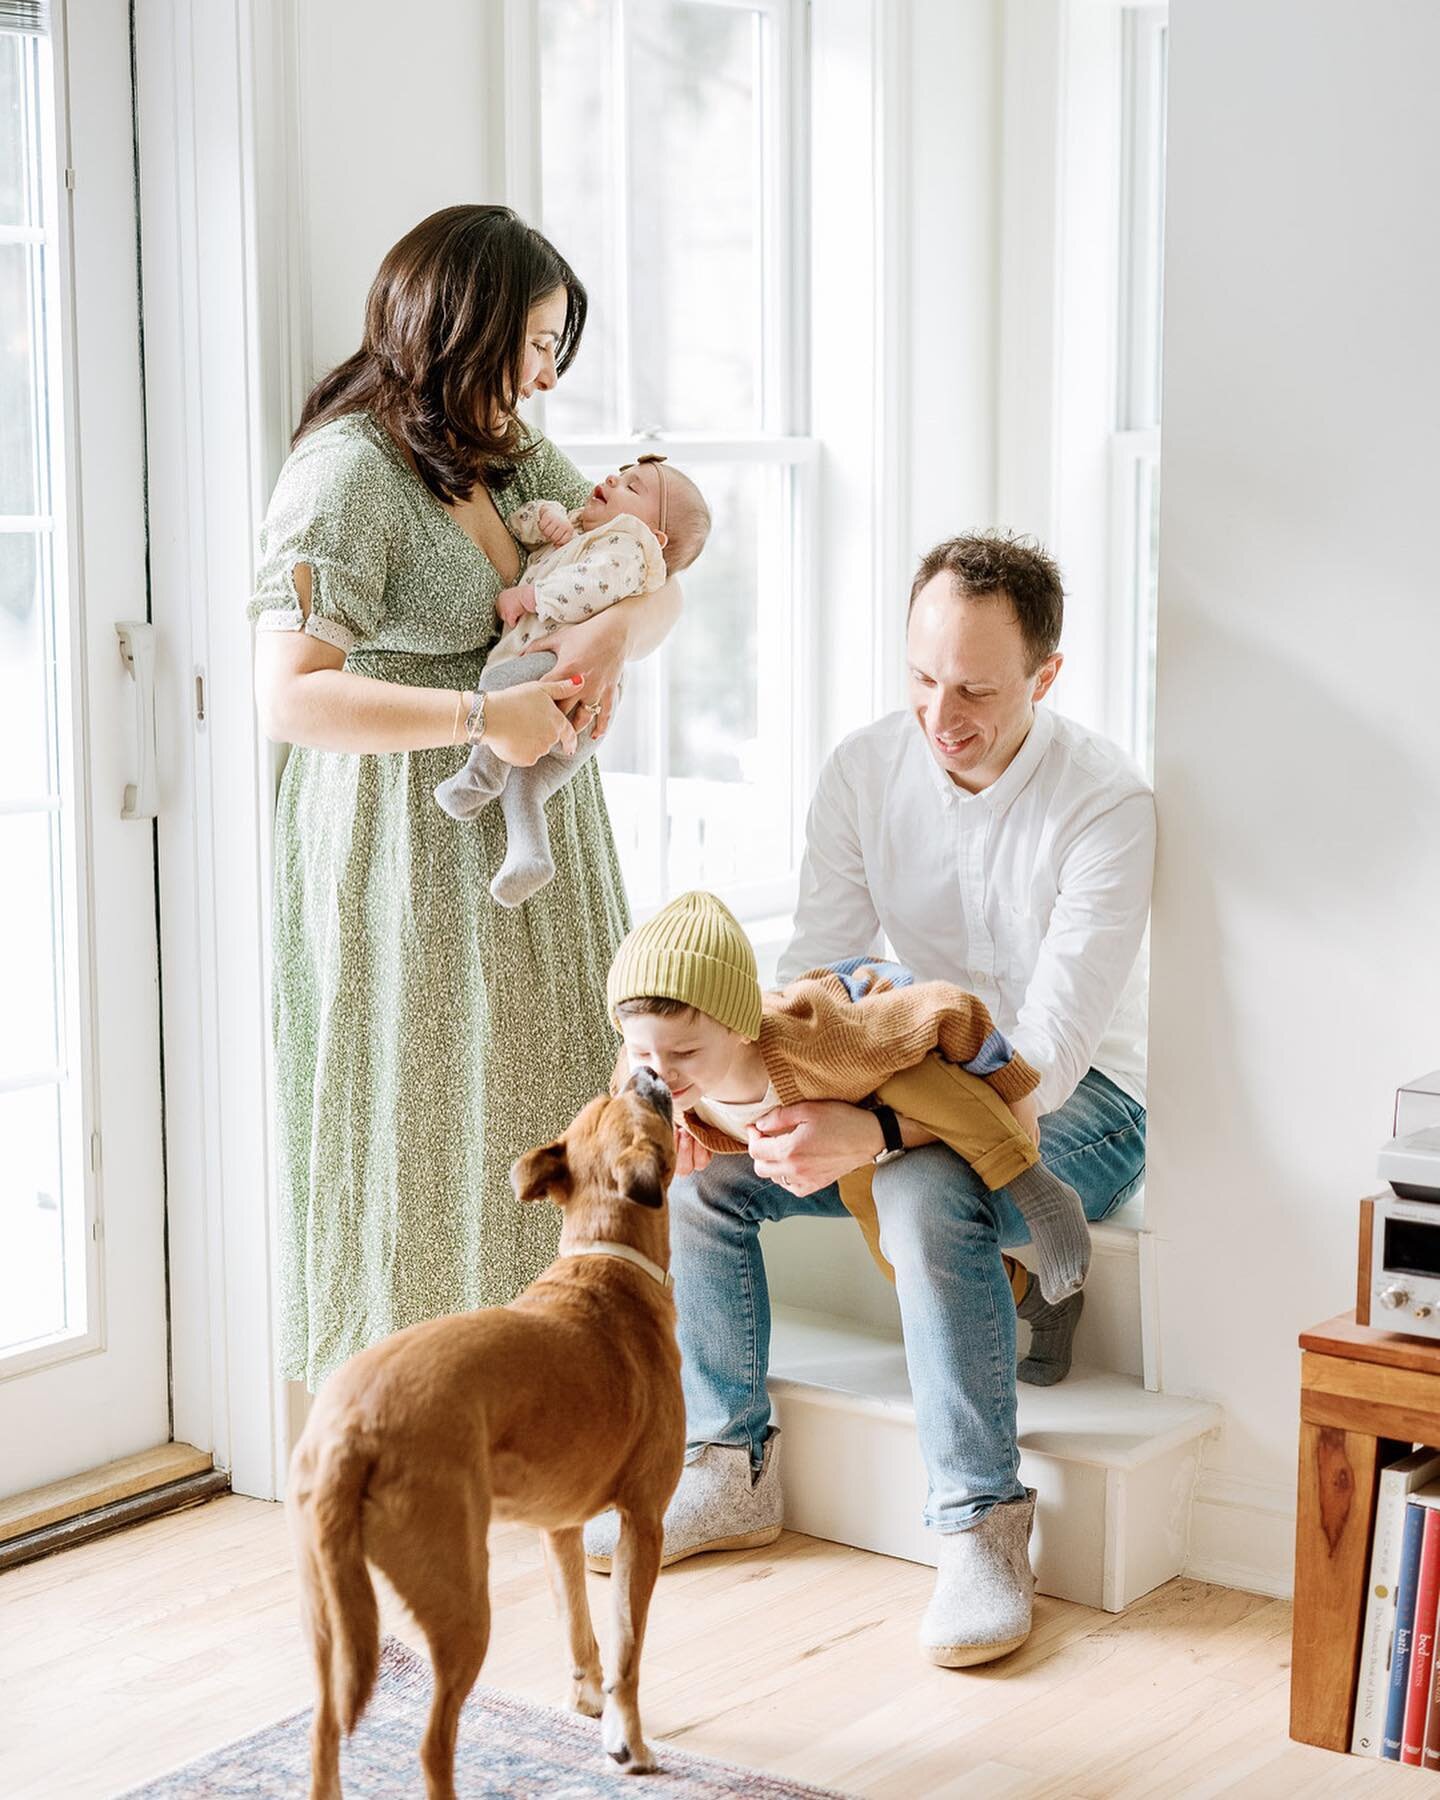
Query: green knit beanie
point(693, 951)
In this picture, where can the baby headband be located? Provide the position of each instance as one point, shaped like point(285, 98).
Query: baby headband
point(650, 456)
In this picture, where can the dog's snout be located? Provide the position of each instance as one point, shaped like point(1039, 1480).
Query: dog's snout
point(648, 1085)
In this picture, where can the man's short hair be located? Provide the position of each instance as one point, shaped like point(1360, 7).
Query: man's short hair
point(990, 563)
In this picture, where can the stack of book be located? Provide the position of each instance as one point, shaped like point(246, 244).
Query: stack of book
point(1397, 1699)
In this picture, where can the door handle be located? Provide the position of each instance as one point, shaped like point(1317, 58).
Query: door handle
point(137, 652)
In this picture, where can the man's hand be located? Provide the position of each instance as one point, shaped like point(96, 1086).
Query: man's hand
point(1027, 1117)
point(804, 1148)
point(554, 525)
point(690, 1154)
point(513, 603)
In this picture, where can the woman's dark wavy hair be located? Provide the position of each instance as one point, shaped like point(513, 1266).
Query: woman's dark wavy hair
point(444, 342)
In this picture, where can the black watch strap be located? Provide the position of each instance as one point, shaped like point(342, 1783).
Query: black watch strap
point(890, 1128)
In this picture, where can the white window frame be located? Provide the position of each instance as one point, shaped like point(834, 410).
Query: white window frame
point(1066, 471)
point(57, 533)
point(217, 104)
point(1135, 440)
point(224, 237)
point(782, 438)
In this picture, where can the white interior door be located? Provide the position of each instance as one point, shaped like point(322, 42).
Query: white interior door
point(83, 1336)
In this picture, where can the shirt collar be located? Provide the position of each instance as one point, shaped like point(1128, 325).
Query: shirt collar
point(1001, 792)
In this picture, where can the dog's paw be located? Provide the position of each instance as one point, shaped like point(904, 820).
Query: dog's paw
point(641, 1762)
point(627, 1748)
point(586, 1697)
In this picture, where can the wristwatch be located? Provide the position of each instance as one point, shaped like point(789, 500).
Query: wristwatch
point(894, 1143)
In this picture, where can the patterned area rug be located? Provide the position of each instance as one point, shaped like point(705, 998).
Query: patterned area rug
point(507, 1747)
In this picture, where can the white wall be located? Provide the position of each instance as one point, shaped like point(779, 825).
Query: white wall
point(1296, 928)
point(391, 130)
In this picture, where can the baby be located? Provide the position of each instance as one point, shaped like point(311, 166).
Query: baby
point(639, 527)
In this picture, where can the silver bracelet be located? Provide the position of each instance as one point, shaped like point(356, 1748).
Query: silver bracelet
point(475, 723)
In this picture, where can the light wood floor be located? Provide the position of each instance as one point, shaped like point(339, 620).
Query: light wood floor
point(122, 1658)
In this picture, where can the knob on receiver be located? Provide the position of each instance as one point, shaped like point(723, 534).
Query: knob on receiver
point(1394, 1297)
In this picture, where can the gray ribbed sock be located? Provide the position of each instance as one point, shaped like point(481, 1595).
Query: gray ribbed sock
point(1058, 1230)
point(1052, 1336)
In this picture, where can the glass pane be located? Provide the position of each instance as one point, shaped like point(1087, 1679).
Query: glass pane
point(32, 1244)
point(651, 182)
point(721, 815)
point(730, 691)
point(21, 343)
point(1147, 565)
point(30, 915)
point(695, 207)
point(19, 202)
point(26, 669)
point(1154, 298)
point(580, 164)
point(714, 648)
point(634, 790)
point(1143, 218)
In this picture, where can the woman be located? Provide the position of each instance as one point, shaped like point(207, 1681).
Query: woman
point(425, 1037)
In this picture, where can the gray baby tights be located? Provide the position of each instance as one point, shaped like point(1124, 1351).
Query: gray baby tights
point(522, 793)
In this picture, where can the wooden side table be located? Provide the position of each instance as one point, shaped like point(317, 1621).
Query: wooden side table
point(1366, 1396)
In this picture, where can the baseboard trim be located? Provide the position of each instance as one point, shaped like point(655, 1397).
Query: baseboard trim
point(1246, 1579)
point(1242, 1534)
point(65, 1534)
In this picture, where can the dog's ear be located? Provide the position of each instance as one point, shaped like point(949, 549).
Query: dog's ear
point(638, 1175)
point(543, 1174)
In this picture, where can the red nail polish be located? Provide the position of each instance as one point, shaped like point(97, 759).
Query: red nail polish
point(577, 681)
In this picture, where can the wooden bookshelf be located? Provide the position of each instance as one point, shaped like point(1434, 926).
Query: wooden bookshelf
point(1366, 1397)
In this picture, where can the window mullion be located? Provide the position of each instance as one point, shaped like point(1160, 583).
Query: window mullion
point(767, 204)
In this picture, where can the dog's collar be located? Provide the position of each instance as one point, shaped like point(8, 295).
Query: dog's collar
point(625, 1254)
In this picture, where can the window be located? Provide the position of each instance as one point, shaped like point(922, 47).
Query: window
point(672, 177)
point(1135, 444)
point(42, 1191)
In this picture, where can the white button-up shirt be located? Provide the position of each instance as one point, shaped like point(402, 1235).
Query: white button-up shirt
point(1033, 893)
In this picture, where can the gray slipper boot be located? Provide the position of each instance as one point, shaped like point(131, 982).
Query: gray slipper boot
point(717, 1506)
point(984, 1589)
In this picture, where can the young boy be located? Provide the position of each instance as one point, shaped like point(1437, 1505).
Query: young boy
point(685, 996)
point(640, 525)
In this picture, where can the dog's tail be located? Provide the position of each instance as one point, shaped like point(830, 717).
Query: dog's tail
point(345, 1619)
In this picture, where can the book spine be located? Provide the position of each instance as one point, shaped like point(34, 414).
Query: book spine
point(1430, 1754)
point(1404, 1624)
point(1422, 1641)
point(1372, 1683)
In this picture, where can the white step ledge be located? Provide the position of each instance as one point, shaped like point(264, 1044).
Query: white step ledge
point(822, 1265)
point(1114, 1465)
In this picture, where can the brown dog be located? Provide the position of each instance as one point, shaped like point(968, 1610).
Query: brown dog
point(548, 1411)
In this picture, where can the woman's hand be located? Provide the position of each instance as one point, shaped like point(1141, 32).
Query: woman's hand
point(522, 723)
point(596, 650)
point(804, 1148)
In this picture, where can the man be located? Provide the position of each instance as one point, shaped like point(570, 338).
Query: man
point(1007, 850)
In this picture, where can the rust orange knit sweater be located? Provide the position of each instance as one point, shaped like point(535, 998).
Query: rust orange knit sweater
point(819, 1044)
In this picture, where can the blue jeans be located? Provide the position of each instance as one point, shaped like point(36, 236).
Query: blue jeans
point(942, 1231)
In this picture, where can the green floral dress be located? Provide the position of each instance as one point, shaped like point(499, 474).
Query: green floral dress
point(424, 1036)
